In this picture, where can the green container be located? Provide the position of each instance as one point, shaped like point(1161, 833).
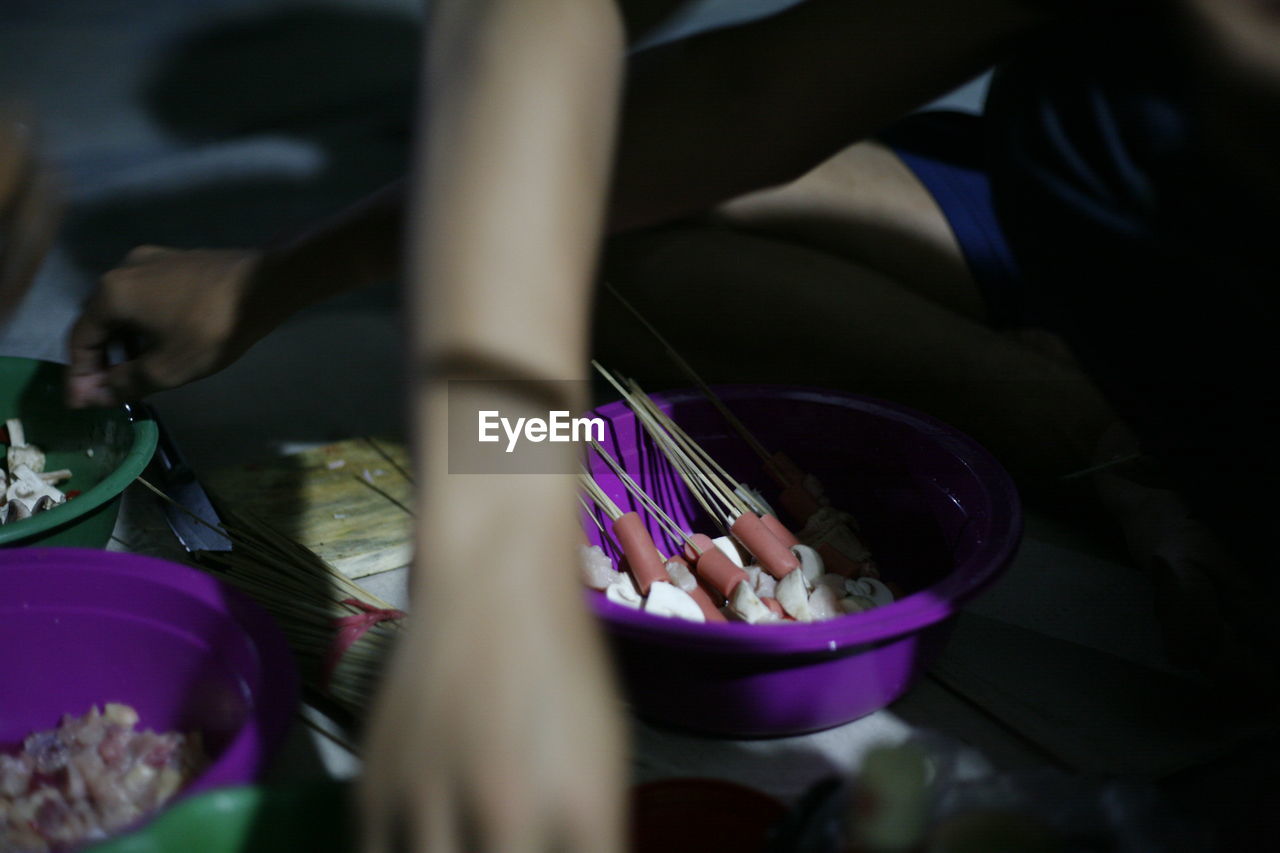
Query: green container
point(311, 817)
point(121, 446)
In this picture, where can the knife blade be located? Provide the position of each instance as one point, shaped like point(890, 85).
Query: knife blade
point(193, 520)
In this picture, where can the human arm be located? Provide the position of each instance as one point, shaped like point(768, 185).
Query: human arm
point(189, 313)
point(705, 119)
point(735, 110)
point(497, 728)
point(28, 211)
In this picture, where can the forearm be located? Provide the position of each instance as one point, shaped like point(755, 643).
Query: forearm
point(360, 246)
point(736, 110)
point(507, 205)
point(506, 216)
point(720, 114)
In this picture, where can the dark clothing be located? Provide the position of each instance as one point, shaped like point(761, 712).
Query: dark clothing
point(1143, 249)
point(947, 152)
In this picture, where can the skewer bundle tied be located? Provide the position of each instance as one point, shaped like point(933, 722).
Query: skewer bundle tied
point(341, 634)
point(789, 582)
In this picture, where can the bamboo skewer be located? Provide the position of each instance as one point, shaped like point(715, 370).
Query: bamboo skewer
point(689, 459)
point(590, 513)
point(798, 497)
point(306, 596)
point(688, 470)
point(597, 494)
point(665, 521)
point(697, 380)
point(720, 480)
point(745, 496)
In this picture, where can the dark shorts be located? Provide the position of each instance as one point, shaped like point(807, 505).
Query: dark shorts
point(1089, 200)
point(947, 153)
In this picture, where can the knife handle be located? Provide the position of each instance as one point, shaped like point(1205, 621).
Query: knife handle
point(170, 459)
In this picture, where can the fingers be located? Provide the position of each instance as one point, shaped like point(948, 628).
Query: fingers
point(507, 817)
point(436, 826)
point(91, 380)
point(597, 828)
point(377, 832)
point(133, 300)
point(135, 378)
point(86, 382)
point(405, 817)
point(111, 386)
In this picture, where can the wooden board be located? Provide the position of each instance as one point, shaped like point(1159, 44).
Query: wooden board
point(348, 502)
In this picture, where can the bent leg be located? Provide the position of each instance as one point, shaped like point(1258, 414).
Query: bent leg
point(850, 277)
point(866, 206)
point(747, 308)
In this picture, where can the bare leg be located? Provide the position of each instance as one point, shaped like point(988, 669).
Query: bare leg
point(850, 278)
point(866, 206)
point(863, 287)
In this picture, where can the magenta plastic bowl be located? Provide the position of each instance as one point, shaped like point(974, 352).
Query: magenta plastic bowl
point(83, 628)
point(941, 516)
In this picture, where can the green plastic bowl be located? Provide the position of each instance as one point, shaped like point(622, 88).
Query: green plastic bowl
point(252, 819)
point(122, 446)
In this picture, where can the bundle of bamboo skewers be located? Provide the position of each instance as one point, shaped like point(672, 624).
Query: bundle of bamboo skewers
point(310, 600)
point(756, 571)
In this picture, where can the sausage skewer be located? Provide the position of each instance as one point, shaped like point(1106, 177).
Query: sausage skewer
point(699, 595)
point(648, 565)
point(706, 477)
point(637, 545)
point(802, 494)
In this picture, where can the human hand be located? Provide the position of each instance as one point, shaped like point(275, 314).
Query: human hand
point(187, 314)
point(496, 728)
point(28, 211)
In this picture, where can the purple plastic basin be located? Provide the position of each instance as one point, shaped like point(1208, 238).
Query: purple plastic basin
point(941, 516)
point(83, 627)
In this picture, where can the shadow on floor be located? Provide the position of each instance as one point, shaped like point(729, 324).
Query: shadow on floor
point(292, 116)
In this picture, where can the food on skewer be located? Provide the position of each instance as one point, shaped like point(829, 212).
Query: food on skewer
point(776, 557)
point(758, 572)
point(802, 495)
point(647, 585)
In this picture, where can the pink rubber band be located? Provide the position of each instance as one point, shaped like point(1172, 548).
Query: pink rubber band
point(350, 629)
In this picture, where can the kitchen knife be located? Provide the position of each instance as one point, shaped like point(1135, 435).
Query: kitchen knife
point(193, 519)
